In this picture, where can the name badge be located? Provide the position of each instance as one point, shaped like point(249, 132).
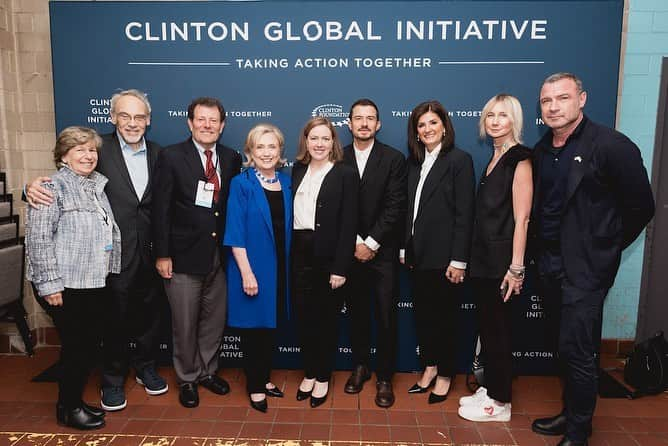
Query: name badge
point(204, 196)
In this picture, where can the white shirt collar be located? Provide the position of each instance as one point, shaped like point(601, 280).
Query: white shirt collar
point(201, 149)
point(433, 154)
point(364, 152)
point(126, 147)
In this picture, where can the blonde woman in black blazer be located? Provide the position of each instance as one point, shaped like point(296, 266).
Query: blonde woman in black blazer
point(323, 244)
point(439, 221)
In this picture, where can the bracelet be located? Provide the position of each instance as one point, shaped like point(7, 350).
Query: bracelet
point(516, 273)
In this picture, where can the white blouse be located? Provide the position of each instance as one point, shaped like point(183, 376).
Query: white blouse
point(306, 197)
point(427, 164)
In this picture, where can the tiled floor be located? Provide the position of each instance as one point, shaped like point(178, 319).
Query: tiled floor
point(27, 415)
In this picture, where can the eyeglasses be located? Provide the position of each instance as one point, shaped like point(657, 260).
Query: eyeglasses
point(124, 117)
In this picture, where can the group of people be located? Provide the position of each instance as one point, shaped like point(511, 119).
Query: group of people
point(123, 221)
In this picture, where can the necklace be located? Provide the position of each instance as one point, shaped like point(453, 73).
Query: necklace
point(265, 179)
point(504, 147)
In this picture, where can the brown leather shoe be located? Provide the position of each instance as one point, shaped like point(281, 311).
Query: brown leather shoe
point(356, 381)
point(384, 394)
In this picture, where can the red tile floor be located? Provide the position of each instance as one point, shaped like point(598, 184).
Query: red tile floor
point(27, 415)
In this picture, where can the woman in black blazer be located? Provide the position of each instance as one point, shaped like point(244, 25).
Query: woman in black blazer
point(438, 234)
point(503, 205)
point(323, 245)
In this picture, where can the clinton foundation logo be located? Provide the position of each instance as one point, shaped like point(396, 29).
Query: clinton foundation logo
point(333, 112)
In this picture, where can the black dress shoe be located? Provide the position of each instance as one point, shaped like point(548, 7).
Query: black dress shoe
point(301, 395)
point(188, 396)
point(275, 392)
point(356, 381)
point(90, 410)
point(78, 418)
point(568, 442)
point(216, 384)
point(435, 399)
point(416, 388)
point(93, 410)
point(260, 405)
point(384, 394)
point(318, 401)
point(555, 425)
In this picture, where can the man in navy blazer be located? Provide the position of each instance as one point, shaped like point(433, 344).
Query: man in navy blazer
point(592, 198)
point(192, 182)
point(373, 279)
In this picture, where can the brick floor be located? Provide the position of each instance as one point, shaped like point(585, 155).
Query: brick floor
point(27, 415)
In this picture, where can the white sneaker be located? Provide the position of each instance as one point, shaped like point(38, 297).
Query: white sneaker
point(475, 399)
point(487, 411)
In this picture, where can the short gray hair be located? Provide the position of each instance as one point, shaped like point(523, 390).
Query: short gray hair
point(71, 137)
point(131, 92)
point(564, 75)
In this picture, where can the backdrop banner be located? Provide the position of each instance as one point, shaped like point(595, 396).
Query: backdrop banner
point(283, 62)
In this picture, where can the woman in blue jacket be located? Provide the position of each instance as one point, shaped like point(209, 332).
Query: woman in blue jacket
point(258, 229)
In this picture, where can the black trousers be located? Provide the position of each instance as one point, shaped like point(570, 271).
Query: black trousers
point(136, 305)
point(374, 284)
point(77, 322)
point(317, 308)
point(436, 306)
point(579, 318)
point(495, 322)
point(258, 348)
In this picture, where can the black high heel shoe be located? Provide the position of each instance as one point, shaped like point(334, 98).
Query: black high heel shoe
point(304, 394)
point(301, 395)
point(275, 392)
point(259, 405)
point(434, 398)
point(417, 388)
point(318, 401)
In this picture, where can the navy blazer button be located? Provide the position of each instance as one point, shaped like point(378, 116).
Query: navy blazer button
point(213, 234)
point(317, 225)
point(216, 213)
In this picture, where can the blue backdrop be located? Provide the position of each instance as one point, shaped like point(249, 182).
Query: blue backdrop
point(284, 62)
